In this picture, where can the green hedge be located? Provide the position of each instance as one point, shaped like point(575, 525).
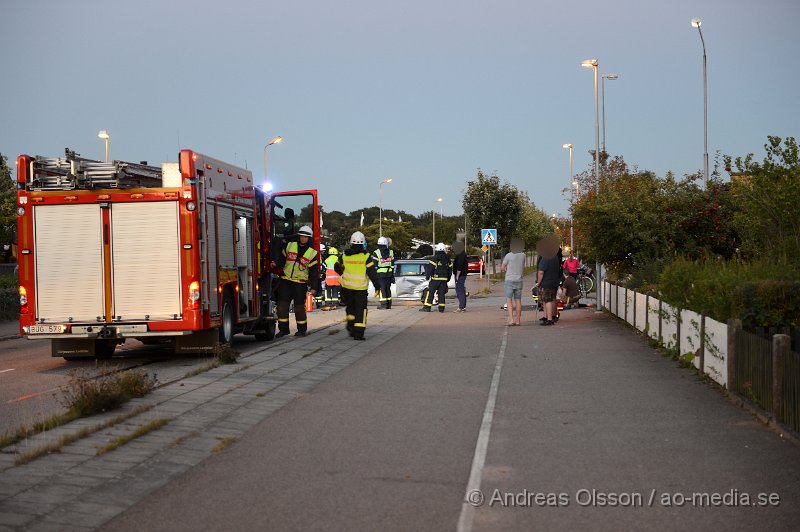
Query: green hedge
point(9, 304)
point(760, 293)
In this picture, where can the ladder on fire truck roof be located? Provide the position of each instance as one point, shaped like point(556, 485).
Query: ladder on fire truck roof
point(73, 172)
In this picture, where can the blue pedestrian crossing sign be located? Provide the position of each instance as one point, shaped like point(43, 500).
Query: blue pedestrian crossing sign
point(489, 237)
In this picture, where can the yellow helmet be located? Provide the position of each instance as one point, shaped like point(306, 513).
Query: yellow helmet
point(333, 251)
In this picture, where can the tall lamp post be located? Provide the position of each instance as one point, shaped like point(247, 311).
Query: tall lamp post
point(572, 202)
point(610, 77)
point(592, 63)
point(275, 140)
point(433, 215)
point(380, 205)
point(696, 22)
point(104, 135)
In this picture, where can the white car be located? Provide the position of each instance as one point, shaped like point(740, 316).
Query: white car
point(410, 282)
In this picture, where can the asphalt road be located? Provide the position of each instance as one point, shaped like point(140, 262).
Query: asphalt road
point(576, 426)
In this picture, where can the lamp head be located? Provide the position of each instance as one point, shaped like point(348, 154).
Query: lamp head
point(103, 134)
point(276, 140)
point(696, 22)
point(439, 200)
point(589, 63)
point(567, 146)
point(611, 76)
point(387, 180)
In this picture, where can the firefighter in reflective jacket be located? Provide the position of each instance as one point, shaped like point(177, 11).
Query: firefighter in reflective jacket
point(299, 270)
point(438, 271)
point(331, 280)
point(384, 264)
point(357, 269)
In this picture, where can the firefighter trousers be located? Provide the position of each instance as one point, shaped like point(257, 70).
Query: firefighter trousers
point(332, 295)
point(386, 291)
point(289, 291)
point(436, 287)
point(356, 308)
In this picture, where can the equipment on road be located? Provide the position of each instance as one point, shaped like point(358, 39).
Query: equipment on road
point(185, 251)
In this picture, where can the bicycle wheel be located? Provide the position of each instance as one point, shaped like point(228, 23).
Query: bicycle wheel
point(585, 284)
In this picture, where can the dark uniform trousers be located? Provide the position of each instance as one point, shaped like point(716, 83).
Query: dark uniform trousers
point(356, 309)
point(439, 287)
point(289, 291)
point(386, 291)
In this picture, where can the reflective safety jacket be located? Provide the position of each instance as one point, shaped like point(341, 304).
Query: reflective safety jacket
point(299, 262)
point(331, 277)
point(357, 269)
point(439, 267)
point(384, 265)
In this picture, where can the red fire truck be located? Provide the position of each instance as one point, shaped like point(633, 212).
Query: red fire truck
point(182, 253)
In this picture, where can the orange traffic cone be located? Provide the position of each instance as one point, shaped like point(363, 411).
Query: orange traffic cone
point(309, 302)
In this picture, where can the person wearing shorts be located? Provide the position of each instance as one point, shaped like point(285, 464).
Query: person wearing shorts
point(548, 279)
point(513, 264)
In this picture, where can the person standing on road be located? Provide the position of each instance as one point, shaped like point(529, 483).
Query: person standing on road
point(571, 265)
point(460, 271)
point(357, 269)
point(384, 264)
point(548, 277)
point(438, 272)
point(331, 280)
point(514, 264)
point(300, 269)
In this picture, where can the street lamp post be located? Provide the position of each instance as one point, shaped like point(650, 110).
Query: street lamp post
point(103, 134)
point(275, 140)
point(611, 77)
point(380, 205)
point(592, 63)
point(696, 22)
point(433, 215)
point(572, 202)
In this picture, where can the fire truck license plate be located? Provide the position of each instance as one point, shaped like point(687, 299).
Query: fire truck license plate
point(47, 329)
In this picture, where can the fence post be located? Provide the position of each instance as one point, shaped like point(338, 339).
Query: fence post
point(616, 310)
point(780, 349)
point(660, 337)
point(634, 309)
point(625, 317)
point(647, 313)
point(678, 335)
point(734, 328)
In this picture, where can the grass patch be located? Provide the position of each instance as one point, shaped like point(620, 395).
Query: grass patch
point(58, 445)
point(224, 441)
point(86, 395)
point(140, 431)
point(223, 354)
point(180, 439)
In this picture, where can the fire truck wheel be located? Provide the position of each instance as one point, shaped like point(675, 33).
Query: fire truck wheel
point(270, 334)
point(104, 348)
point(226, 329)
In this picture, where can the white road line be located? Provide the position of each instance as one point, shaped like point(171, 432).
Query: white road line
point(5, 370)
point(478, 460)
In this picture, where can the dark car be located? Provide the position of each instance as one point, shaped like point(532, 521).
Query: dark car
point(475, 264)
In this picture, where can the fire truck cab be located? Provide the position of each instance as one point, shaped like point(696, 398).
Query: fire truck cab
point(182, 253)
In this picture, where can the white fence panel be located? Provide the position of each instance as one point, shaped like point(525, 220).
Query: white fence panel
point(641, 312)
point(612, 299)
point(716, 357)
point(690, 334)
point(606, 294)
point(669, 325)
point(653, 317)
point(630, 297)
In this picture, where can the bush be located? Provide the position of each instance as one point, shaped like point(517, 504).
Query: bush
point(9, 304)
point(756, 292)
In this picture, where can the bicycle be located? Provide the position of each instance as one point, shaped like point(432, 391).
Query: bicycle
point(585, 281)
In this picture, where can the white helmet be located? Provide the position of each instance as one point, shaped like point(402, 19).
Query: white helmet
point(322, 248)
point(357, 238)
point(383, 241)
point(306, 231)
point(440, 247)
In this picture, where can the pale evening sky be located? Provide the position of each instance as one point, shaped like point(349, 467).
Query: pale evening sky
point(424, 92)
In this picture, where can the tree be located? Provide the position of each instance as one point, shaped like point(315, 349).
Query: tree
point(767, 196)
point(8, 200)
point(492, 204)
point(399, 232)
